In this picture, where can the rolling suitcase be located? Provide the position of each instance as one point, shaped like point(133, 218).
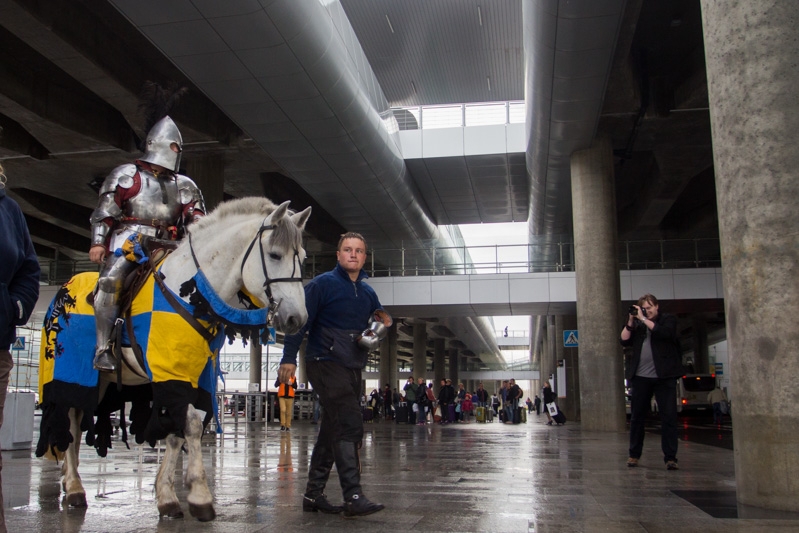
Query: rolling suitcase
point(401, 414)
point(524, 415)
point(480, 414)
point(368, 414)
point(489, 414)
point(559, 418)
point(452, 414)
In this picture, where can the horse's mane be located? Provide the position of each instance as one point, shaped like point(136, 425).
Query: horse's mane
point(286, 235)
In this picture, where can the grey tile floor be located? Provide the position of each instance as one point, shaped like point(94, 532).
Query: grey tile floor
point(462, 477)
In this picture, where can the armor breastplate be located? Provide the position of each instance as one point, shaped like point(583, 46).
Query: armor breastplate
point(157, 203)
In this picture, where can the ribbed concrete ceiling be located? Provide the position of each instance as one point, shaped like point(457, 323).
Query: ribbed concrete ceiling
point(442, 51)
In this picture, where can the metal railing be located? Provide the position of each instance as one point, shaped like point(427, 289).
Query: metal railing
point(460, 115)
point(493, 259)
point(514, 258)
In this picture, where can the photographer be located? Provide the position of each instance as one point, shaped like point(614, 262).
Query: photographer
point(655, 367)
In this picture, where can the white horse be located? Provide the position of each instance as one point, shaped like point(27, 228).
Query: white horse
point(246, 245)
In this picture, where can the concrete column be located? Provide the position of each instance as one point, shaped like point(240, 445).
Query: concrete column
point(392, 350)
point(384, 368)
point(438, 363)
point(752, 57)
point(700, 346)
point(535, 355)
point(208, 172)
point(256, 360)
point(420, 350)
point(571, 406)
point(597, 274)
point(453, 367)
point(388, 358)
point(543, 362)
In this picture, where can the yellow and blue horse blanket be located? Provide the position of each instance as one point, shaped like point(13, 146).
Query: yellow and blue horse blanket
point(181, 365)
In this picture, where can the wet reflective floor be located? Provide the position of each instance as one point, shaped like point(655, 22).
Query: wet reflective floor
point(461, 477)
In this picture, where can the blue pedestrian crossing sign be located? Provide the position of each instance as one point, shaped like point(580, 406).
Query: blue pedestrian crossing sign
point(570, 338)
point(272, 336)
point(19, 344)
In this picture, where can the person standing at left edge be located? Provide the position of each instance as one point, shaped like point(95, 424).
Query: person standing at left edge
point(19, 290)
point(345, 322)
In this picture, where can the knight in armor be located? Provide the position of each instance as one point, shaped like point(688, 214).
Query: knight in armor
point(147, 197)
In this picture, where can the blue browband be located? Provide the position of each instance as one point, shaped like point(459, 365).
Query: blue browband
point(225, 312)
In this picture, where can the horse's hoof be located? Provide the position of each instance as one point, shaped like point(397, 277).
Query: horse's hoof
point(203, 513)
point(170, 510)
point(77, 499)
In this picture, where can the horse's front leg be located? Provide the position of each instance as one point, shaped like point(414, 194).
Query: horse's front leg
point(168, 504)
point(201, 503)
point(74, 493)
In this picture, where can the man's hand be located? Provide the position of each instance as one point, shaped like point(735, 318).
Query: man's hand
point(285, 372)
point(97, 254)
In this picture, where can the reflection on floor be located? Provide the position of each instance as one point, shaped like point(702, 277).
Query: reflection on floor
point(460, 477)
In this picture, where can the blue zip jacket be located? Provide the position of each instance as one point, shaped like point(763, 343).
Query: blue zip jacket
point(334, 301)
point(19, 271)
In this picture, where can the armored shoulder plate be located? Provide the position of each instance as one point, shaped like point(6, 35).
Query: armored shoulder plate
point(189, 193)
point(121, 176)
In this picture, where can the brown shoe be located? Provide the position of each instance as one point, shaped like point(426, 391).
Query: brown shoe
point(672, 465)
point(632, 462)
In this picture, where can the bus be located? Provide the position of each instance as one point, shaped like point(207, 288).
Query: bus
point(692, 391)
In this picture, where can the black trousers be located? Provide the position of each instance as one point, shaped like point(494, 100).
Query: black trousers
point(665, 392)
point(338, 388)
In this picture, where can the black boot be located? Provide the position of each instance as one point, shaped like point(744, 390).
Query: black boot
point(349, 475)
point(105, 361)
point(318, 472)
point(320, 503)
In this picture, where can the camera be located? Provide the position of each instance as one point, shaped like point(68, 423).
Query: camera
point(632, 310)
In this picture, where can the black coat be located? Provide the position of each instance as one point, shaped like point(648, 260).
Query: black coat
point(666, 351)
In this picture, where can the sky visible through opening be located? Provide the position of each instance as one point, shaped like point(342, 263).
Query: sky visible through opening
point(488, 243)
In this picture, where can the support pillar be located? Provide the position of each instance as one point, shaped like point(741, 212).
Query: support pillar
point(256, 361)
point(208, 172)
point(597, 274)
point(420, 350)
point(453, 367)
point(752, 74)
point(438, 364)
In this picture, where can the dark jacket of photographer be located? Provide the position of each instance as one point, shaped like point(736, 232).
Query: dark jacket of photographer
point(665, 347)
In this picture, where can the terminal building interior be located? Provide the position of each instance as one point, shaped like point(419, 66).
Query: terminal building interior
point(612, 131)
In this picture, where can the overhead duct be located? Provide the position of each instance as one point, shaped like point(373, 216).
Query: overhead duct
point(293, 76)
point(568, 53)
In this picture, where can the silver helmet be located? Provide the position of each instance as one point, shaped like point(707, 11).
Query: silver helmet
point(158, 147)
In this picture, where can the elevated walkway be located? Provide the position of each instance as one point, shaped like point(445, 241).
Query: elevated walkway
point(548, 293)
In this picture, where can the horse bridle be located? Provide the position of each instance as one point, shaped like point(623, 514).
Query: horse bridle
point(273, 305)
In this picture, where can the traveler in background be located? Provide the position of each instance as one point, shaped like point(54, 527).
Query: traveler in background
point(422, 402)
point(285, 397)
point(549, 397)
point(718, 400)
point(482, 396)
point(410, 397)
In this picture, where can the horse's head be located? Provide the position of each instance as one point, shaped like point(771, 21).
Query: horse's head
point(274, 275)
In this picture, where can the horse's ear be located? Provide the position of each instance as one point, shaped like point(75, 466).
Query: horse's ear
point(279, 212)
point(301, 218)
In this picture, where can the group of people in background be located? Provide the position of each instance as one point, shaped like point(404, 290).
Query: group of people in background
point(449, 405)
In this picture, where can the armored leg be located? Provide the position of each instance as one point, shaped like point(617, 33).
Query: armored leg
point(106, 308)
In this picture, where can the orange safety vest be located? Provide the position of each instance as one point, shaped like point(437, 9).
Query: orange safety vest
point(287, 391)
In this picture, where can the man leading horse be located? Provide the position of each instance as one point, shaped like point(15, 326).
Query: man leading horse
point(147, 197)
